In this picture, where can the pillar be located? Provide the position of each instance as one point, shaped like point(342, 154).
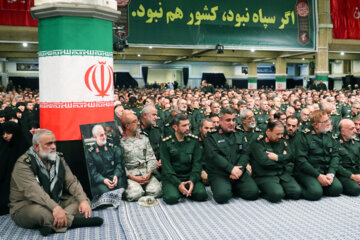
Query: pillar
point(322, 55)
point(280, 75)
point(252, 77)
point(75, 66)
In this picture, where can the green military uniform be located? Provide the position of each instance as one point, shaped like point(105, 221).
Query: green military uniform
point(321, 86)
point(181, 161)
point(345, 110)
point(304, 125)
point(313, 86)
point(317, 154)
point(335, 119)
point(31, 204)
point(350, 164)
point(104, 162)
point(262, 120)
point(224, 151)
point(155, 135)
point(272, 177)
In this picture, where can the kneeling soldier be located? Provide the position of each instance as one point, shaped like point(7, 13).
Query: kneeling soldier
point(349, 151)
point(270, 155)
point(180, 154)
point(227, 160)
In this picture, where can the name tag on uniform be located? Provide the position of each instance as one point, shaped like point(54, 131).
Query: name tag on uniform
point(222, 140)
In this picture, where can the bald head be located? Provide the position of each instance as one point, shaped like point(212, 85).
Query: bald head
point(347, 129)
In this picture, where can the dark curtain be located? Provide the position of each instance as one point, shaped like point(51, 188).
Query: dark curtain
point(240, 83)
point(26, 82)
point(292, 83)
point(124, 80)
point(186, 76)
point(266, 84)
point(216, 79)
point(145, 71)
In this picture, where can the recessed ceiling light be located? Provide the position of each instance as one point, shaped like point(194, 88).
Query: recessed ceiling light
point(303, 59)
point(252, 50)
point(150, 47)
point(139, 55)
point(342, 53)
point(25, 44)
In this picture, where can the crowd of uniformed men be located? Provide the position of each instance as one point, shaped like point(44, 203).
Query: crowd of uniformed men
point(249, 143)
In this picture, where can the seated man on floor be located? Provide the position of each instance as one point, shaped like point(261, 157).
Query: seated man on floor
point(181, 163)
point(349, 151)
point(270, 155)
point(140, 161)
point(106, 167)
point(44, 193)
point(227, 161)
point(317, 159)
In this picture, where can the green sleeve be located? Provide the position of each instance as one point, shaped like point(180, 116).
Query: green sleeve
point(258, 152)
point(288, 157)
point(302, 151)
point(335, 158)
point(216, 158)
point(344, 172)
point(167, 171)
point(195, 175)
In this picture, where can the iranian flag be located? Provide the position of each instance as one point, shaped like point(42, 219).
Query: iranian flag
point(76, 74)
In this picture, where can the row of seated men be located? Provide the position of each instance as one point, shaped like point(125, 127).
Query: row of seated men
point(45, 194)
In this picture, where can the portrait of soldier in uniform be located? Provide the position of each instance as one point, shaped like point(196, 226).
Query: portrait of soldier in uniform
point(104, 163)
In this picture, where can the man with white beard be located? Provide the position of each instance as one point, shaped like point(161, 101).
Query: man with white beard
point(44, 193)
point(105, 164)
point(317, 158)
point(349, 151)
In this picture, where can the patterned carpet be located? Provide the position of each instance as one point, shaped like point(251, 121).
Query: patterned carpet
point(330, 218)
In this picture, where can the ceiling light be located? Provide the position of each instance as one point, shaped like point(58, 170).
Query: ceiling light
point(25, 44)
point(303, 59)
point(342, 53)
point(252, 50)
point(139, 55)
point(150, 47)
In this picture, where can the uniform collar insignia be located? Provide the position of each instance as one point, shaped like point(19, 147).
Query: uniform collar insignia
point(221, 131)
point(267, 140)
point(287, 137)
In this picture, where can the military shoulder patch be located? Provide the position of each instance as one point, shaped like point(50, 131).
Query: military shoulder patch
point(334, 136)
point(193, 136)
point(306, 130)
point(285, 143)
point(167, 124)
point(167, 138)
point(111, 145)
point(91, 149)
point(260, 137)
point(27, 160)
point(239, 128)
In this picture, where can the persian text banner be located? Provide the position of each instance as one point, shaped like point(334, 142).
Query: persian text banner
point(276, 24)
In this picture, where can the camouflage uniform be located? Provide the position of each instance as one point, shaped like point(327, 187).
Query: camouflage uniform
point(139, 160)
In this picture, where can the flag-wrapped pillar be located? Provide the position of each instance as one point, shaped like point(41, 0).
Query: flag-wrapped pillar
point(280, 76)
point(252, 77)
point(75, 69)
point(76, 66)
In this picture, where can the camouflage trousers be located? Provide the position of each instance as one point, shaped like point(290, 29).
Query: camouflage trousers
point(135, 190)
